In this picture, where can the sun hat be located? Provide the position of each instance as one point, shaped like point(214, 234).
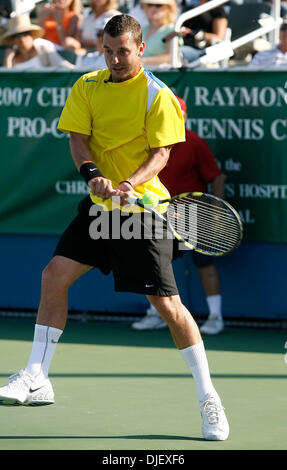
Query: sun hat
point(20, 24)
point(157, 2)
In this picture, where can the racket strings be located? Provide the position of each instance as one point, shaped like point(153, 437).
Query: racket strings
point(183, 230)
point(204, 221)
point(205, 207)
point(206, 225)
point(207, 231)
point(221, 222)
point(205, 240)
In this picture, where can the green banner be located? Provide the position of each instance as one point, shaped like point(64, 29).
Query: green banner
point(241, 114)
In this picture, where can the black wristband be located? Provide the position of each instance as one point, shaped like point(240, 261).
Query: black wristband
point(127, 181)
point(89, 170)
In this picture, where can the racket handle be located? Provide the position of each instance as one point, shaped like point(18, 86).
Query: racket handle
point(133, 200)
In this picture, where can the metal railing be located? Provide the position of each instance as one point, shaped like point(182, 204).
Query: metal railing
point(224, 49)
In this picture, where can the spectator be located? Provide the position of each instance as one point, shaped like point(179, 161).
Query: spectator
point(161, 15)
point(27, 48)
point(191, 166)
point(94, 60)
point(136, 10)
point(202, 31)
point(277, 56)
point(60, 20)
point(100, 11)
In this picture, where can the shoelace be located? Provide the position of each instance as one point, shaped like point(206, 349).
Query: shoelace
point(17, 380)
point(212, 410)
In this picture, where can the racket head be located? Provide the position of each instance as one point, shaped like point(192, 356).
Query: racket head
point(205, 223)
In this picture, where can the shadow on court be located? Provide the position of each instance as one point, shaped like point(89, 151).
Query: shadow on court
point(232, 339)
point(138, 437)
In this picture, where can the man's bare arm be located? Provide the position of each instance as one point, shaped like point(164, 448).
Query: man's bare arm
point(152, 166)
point(218, 186)
point(81, 153)
point(101, 186)
point(80, 150)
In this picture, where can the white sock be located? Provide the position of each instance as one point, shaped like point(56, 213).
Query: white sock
point(214, 305)
point(195, 358)
point(43, 348)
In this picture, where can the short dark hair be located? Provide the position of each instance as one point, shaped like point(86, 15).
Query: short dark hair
point(120, 24)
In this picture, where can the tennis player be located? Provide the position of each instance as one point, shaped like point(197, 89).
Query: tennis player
point(191, 167)
point(122, 123)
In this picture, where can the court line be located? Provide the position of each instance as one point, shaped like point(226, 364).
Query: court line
point(160, 376)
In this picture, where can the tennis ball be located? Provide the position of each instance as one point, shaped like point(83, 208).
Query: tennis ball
point(150, 199)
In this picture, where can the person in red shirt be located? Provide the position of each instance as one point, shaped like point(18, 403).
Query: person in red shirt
point(192, 167)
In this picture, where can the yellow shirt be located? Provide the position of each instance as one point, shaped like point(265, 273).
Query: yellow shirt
point(125, 120)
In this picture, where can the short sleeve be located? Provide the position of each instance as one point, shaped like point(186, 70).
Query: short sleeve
point(76, 115)
point(219, 12)
point(164, 121)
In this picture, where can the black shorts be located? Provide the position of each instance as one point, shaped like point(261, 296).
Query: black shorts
point(143, 265)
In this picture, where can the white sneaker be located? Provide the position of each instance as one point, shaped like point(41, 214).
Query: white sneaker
point(152, 321)
point(213, 325)
point(23, 389)
point(215, 426)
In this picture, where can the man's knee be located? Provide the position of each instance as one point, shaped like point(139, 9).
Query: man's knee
point(170, 308)
point(62, 272)
point(55, 276)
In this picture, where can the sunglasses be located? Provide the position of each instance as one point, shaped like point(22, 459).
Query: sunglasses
point(157, 5)
point(100, 34)
point(18, 35)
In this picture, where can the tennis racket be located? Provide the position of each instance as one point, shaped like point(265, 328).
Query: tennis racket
point(203, 222)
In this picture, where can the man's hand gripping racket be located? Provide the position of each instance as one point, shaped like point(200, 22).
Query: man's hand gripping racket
point(203, 222)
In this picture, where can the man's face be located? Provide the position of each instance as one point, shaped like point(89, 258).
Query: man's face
point(123, 56)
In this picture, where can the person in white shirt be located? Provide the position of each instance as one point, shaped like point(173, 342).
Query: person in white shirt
point(136, 10)
point(277, 56)
point(26, 49)
point(100, 11)
point(93, 60)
